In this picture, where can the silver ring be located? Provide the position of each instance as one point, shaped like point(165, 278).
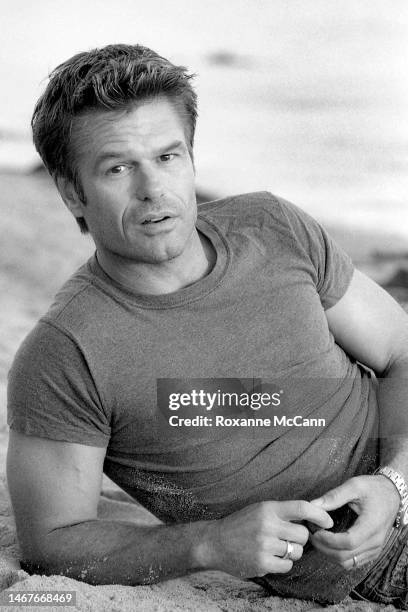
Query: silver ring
point(354, 560)
point(290, 549)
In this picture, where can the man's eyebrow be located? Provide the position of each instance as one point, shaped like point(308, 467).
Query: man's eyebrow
point(106, 155)
point(173, 145)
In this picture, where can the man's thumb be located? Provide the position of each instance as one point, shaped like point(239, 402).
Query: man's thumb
point(335, 498)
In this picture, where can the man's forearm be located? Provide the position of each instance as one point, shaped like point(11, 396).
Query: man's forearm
point(393, 413)
point(118, 552)
point(248, 542)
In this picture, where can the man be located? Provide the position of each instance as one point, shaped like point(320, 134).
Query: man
point(251, 288)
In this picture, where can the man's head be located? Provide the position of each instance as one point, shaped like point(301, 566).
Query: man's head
point(114, 78)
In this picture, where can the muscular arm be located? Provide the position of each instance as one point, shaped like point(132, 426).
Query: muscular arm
point(55, 488)
point(373, 328)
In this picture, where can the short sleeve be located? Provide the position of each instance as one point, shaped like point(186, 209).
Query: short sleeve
point(334, 267)
point(51, 392)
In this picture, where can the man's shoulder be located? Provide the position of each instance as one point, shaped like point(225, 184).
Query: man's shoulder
point(243, 203)
point(260, 209)
point(77, 302)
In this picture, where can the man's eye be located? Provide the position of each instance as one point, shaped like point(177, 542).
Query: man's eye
point(167, 157)
point(117, 169)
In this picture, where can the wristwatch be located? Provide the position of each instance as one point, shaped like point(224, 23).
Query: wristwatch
point(399, 482)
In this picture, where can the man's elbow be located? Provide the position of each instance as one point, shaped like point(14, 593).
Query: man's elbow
point(397, 365)
point(55, 553)
point(84, 571)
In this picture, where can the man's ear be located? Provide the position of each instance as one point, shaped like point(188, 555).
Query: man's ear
point(70, 196)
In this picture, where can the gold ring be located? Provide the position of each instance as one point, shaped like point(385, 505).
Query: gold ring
point(290, 549)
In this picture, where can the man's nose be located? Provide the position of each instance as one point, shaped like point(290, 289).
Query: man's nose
point(148, 184)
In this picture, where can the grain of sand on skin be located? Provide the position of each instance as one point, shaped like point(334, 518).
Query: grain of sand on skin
point(40, 247)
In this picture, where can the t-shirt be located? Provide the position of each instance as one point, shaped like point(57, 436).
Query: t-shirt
point(92, 370)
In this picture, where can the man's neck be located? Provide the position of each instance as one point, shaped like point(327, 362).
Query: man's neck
point(194, 263)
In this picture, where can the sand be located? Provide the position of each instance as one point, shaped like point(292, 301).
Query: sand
point(200, 592)
point(41, 246)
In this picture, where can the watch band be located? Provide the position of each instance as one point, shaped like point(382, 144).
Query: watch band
point(399, 482)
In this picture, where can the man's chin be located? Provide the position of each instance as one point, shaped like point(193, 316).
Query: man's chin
point(160, 256)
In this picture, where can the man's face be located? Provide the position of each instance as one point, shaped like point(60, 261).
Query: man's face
point(138, 180)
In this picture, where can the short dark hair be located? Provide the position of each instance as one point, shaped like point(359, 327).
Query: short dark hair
point(110, 78)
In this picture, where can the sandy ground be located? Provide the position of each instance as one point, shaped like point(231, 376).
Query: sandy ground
point(40, 247)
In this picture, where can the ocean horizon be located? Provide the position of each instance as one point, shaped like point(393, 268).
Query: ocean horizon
point(303, 98)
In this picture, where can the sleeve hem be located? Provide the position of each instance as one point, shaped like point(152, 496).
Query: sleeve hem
point(31, 428)
point(62, 330)
point(331, 301)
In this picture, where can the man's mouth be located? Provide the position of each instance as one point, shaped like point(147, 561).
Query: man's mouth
point(156, 217)
point(155, 220)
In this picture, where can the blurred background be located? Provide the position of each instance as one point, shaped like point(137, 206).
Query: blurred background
point(305, 98)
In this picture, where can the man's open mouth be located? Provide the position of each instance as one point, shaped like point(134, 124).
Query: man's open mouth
point(155, 219)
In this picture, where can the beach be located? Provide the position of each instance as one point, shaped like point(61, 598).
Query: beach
point(40, 247)
point(306, 99)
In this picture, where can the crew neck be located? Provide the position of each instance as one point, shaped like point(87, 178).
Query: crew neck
point(195, 291)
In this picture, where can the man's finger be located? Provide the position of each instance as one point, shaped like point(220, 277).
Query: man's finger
point(361, 531)
point(337, 497)
point(300, 510)
point(350, 559)
point(293, 532)
point(362, 558)
point(280, 547)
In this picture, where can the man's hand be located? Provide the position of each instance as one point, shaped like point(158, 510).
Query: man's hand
point(252, 541)
point(376, 501)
